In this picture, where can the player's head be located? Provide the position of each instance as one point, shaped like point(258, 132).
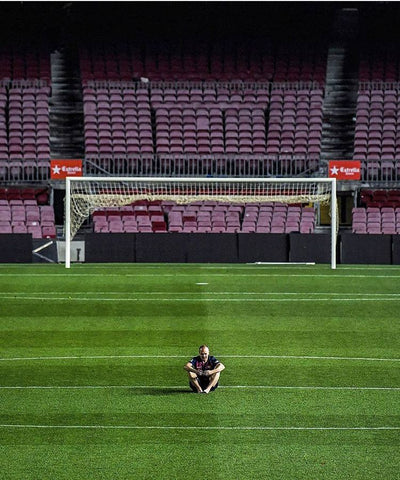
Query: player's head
point(204, 352)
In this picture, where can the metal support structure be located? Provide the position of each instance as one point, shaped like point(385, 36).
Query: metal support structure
point(67, 222)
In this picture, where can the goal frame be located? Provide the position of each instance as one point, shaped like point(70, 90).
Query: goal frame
point(283, 180)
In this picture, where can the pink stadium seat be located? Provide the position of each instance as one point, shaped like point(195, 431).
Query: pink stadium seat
point(5, 229)
point(49, 231)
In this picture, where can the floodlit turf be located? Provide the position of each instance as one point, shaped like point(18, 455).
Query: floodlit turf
point(93, 386)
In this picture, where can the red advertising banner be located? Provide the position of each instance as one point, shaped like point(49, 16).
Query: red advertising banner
point(65, 168)
point(345, 169)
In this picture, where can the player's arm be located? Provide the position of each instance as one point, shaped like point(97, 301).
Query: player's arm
point(189, 368)
point(218, 368)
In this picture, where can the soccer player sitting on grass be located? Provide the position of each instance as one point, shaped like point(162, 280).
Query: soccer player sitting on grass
point(204, 371)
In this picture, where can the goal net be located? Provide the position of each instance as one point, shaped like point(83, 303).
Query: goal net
point(84, 195)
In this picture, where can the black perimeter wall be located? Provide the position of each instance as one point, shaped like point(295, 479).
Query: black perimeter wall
point(15, 248)
point(224, 248)
point(240, 248)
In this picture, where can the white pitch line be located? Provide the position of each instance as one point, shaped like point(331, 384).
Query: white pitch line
point(201, 299)
point(286, 357)
point(306, 387)
point(175, 387)
point(199, 266)
point(151, 294)
point(181, 427)
point(195, 274)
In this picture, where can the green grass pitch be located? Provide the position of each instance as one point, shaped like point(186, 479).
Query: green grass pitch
point(92, 384)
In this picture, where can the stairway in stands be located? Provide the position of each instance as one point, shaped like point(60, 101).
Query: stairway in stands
point(66, 106)
point(339, 108)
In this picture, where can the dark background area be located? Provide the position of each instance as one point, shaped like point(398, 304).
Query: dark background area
point(57, 22)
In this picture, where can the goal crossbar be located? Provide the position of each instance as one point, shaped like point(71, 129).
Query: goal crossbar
point(86, 194)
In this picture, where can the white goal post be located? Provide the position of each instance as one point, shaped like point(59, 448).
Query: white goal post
point(86, 194)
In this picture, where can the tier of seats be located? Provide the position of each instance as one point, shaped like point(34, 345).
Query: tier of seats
point(150, 120)
point(24, 132)
point(25, 64)
point(24, 123)
point(377, 142)
point(211, 129)
point(26, 216)
point(295, 122)
point(25, 76)
point(210, 94)
point(192, 120)
point(212, 120)
point(245, 60)
point(380, 198)
point(28, 123)
point(117, 121)
point(379, 63)
point(39, 195)
point(379, 212)
point(26, 210)
point(375, 220)
point(196, 115)
point(377, 133)
point(205, 217)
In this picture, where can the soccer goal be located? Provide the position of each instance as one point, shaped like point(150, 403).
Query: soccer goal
point(86, 194)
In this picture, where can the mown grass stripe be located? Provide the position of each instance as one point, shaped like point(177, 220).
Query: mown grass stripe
point(196, 275)
point(288, 357)
point(188, 427)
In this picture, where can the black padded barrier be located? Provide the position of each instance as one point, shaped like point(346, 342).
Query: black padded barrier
point(313, 247)
point(15, 248)
point(110, 247)
point(396, 249)
point(366, 249)
point(223, 248)
point(212, 248)
point(161, 247)
point(263, 247)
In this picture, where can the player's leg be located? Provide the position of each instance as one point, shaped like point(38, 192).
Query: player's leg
point(194, 382)
point(213, 384)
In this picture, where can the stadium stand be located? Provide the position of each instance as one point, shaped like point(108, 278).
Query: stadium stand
point(241, 103)
point(25, 62)
point(26, 210)
point(25, 140)
point(376, 141)
point(375, 220)
point(205, 217)
point(24, 113)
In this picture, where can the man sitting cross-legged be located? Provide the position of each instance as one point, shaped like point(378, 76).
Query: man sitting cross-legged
point(204, 371)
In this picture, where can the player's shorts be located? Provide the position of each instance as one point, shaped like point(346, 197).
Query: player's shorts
point(203, 384)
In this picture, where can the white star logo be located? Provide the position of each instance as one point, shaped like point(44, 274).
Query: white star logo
point(334, 170)
point(56, 170)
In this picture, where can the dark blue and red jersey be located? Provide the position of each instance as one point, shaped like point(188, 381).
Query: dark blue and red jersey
point(198, 363)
